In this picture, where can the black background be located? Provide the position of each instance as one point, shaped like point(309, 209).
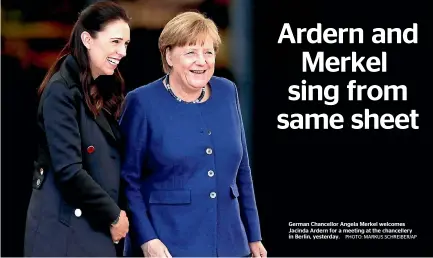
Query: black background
point(302, 175)
point(343, 175)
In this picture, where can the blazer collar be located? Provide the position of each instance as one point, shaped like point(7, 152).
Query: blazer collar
point(70, 71)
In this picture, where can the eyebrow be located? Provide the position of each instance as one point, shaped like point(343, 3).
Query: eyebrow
point(195, 48)
point(119, 38)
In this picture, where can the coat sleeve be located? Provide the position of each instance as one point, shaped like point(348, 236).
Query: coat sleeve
point(133, 124)
point(248, 208)
point(64, 144)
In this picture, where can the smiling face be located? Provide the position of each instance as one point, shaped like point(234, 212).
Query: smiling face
point(107, 48)
point(192, 65)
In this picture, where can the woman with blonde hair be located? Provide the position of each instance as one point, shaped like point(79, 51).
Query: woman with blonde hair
point(188, 181)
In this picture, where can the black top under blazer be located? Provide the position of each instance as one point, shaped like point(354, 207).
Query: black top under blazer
point(76, 176)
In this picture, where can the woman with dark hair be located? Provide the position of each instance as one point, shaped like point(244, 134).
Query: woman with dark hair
point(74, 208)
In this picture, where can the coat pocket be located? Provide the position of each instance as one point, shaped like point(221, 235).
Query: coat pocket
point(170, 197)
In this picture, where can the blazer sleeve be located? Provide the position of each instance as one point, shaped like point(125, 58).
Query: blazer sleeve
point(133, 124)
point(64, 143)
point(248, 208)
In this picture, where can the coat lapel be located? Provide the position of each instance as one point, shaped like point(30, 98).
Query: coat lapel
point(103, 123)
point(70, 72)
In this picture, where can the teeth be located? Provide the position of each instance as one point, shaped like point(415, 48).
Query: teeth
point(198, 71)
point(113, 61)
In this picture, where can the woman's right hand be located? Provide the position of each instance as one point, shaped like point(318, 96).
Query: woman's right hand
point(155, 248)
point(121, 228)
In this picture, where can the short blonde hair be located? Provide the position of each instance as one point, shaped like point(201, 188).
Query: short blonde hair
point(187, 28)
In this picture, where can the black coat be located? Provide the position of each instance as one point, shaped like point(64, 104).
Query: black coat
point(76, 176)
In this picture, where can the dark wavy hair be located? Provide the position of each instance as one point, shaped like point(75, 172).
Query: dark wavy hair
point(92, 19)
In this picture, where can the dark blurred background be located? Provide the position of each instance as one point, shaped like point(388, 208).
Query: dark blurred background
point(299, 175)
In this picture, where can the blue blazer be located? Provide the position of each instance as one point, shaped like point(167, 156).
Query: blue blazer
point(186, 171)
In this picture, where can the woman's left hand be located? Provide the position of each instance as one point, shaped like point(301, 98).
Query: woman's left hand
point(257, 249)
